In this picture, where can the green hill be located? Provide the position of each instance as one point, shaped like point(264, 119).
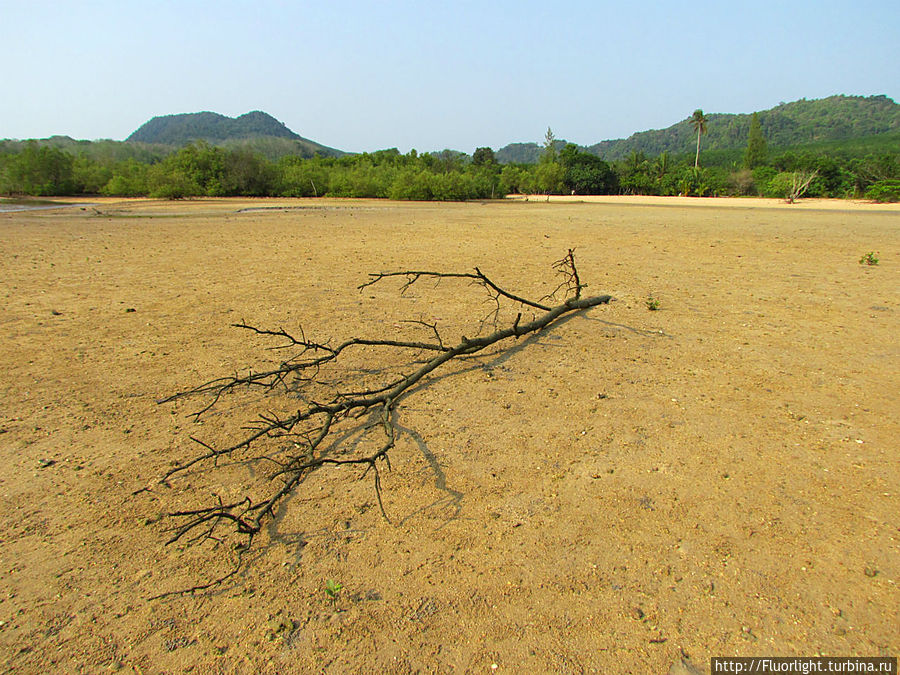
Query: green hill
point(803, 122)
point(525, 153)
point(260, 131)
point(519, 153)
point(832, 121)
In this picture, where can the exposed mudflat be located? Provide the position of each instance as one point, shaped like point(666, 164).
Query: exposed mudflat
point(628, 489)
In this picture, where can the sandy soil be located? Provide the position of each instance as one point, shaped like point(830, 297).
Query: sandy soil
point(629, 490)
point(717, 202)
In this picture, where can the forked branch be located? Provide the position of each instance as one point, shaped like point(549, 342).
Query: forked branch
point(316, 432)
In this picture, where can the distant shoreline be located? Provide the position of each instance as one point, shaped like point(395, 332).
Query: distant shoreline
point(261, 203)
point(15, 205)
point(718, 202)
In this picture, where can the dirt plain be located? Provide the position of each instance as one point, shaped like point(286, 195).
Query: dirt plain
point(630, 491)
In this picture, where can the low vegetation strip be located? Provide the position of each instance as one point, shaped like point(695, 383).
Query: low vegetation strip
point(841, 147)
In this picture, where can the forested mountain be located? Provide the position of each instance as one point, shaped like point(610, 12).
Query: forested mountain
point(262, 132)
point(802, 122)
point(519, 153)
point(525, 153)
point(208, 126)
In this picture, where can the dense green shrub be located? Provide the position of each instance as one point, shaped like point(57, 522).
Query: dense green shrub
point(40, 171)
point(129, 179)
point(884, 191)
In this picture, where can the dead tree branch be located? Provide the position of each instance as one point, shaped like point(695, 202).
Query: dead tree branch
point(800, 181)
point(318, 429)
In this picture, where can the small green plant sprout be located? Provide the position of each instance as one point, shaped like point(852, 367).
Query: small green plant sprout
point(332, 590)
point(870, 258)
point(652, 303)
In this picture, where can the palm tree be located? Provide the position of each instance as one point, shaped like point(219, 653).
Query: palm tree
point(698, 121)
point(662, 165)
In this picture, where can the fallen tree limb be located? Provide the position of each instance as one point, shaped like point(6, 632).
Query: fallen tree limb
point(317, 428)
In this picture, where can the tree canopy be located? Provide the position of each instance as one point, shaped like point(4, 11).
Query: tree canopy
point(757, 151)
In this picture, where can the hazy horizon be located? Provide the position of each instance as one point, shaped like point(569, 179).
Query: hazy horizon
point(364, 77)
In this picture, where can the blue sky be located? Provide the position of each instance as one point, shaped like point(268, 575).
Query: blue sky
point(363, 76)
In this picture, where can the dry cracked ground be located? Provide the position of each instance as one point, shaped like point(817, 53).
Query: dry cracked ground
point(628, 491)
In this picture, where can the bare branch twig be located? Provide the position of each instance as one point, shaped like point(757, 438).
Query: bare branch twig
point(319, 425)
